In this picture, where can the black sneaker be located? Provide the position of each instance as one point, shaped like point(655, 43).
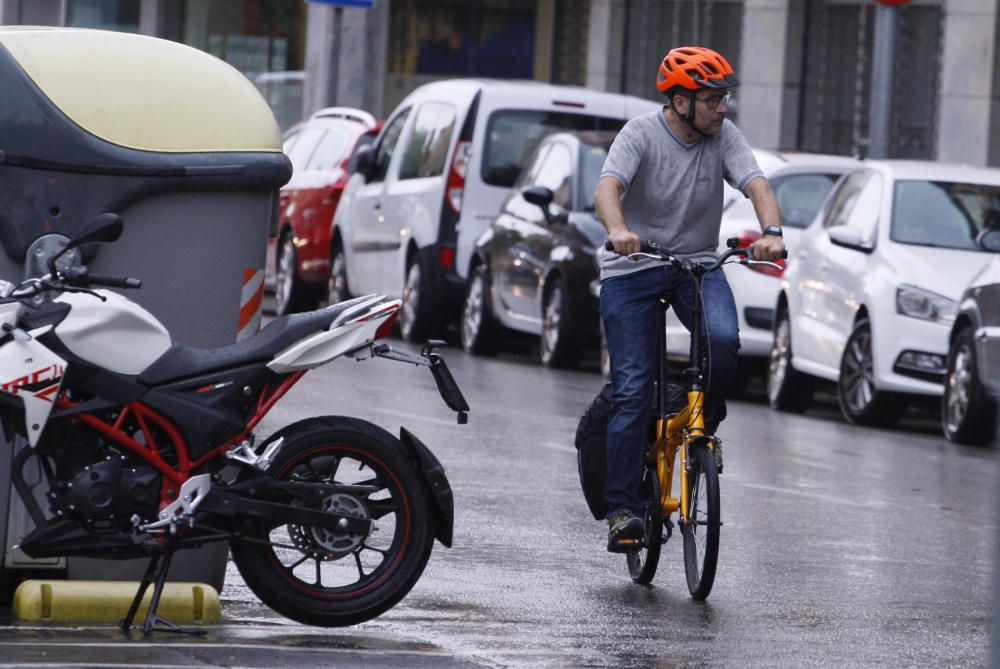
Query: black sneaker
point(624, 531)
point(717, 449)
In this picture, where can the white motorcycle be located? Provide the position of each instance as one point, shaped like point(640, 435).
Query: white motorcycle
point(148, 447)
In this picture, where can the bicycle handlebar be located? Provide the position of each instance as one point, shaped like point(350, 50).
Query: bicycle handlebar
point(651, 250)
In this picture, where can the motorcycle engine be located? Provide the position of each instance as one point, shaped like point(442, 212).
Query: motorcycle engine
point(104, 495)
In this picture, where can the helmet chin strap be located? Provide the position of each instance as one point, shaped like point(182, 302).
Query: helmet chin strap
point(689, 118)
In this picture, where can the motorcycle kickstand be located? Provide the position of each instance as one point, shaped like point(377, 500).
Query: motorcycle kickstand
point(159, 564)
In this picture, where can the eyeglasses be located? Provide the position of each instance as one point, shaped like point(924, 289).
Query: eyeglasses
point(712, 101)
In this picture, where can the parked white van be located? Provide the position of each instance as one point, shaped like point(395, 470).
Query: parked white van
point(436, 177)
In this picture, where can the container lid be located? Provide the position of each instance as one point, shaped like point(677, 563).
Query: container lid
point(144, 92)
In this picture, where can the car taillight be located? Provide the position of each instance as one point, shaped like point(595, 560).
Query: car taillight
point(456, 176)
point(446, 256)
point(748, 237)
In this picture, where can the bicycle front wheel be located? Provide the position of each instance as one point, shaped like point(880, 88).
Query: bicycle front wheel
point(642, 562)
point(701, 527)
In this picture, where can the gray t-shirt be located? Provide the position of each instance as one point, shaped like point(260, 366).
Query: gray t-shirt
point(673, 190)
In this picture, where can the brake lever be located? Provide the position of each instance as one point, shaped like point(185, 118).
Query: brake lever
point(748, 262)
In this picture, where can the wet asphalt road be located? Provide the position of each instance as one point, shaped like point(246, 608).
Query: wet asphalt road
point(842, 546)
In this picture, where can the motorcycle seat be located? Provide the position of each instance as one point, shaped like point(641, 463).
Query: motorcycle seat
point(180, 361)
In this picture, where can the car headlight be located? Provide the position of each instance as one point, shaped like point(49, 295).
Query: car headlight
point(919, 303)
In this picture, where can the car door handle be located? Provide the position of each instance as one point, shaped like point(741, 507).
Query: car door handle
point(378, 205)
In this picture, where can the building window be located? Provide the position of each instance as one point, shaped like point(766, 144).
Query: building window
point(119, 15)
point(263, 39)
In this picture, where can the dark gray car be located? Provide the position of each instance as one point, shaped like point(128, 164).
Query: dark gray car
point(533, 267)
point(972, 385)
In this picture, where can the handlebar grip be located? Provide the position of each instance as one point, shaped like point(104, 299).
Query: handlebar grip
point(644, 247)
point(112, 281)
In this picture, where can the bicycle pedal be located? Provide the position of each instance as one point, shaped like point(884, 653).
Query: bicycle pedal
point(625, 545)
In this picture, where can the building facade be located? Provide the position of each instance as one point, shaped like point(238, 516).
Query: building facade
point(806, 65)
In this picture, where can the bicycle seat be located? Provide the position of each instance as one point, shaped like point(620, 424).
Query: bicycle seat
point(182, 361)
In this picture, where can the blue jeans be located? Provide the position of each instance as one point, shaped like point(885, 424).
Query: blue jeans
point(630, 309)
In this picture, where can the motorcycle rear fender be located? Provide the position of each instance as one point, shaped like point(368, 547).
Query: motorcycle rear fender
point(433, 475)
point(355, 331)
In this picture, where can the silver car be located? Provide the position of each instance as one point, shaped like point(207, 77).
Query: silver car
point(972, 385)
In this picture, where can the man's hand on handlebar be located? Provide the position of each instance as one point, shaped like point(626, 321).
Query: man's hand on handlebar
point(624, 242)
point(768, 247)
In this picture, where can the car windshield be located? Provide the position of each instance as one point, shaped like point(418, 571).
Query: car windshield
point(799, 196)
point(591, 164)
point(514, 135)
point(944, 214)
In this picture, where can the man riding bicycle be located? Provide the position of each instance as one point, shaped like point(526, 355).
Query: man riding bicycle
point(662, 181)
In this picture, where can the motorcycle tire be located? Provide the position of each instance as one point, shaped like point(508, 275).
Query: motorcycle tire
point(327, 578)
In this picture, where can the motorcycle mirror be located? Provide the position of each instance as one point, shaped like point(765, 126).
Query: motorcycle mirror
point(105, 227)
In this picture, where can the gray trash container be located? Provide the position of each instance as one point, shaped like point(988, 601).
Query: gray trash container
point(185, 149)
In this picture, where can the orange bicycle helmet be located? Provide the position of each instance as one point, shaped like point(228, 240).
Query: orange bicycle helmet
point(694, 67)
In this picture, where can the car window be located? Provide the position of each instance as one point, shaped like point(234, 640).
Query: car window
point(839, 204)
point(800, 196)
point(427, 147)
point(288, 141)
point(329, 151)
point(530, 172)
point(512, 135)
point(946, 214)
point(303, 146)
point(864, 213)
point(591, 163)
point(556, 174)
point(387, 145)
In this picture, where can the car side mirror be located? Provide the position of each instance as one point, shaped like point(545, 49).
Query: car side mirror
point(364, 161)
point(989, 240)
point(848, 237)
point(539, 195)
point(542, 197)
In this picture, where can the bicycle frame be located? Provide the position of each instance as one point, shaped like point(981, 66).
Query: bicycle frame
point(675, 432)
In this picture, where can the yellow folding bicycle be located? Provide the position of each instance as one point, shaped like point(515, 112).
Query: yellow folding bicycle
point(682, 431)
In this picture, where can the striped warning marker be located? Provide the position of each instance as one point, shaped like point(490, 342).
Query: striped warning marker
point(251, 303)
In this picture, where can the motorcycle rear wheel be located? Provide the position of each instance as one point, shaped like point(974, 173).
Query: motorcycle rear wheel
point(332, 579)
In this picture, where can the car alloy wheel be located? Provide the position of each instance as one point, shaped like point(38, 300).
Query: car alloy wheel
point(861, 402)
point(478, 324)
point(787, 389)
point(968, 414)
point(958, 388)
point(336, 286)
point(552, 324)
point(415, 318)
point(285, 283)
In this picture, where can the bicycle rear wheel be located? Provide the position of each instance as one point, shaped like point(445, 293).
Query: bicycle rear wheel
point(701, 528)
point(642, 563)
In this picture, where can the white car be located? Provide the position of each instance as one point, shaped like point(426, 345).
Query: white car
point(801, 182)
point(436, 177)
point(870, 297)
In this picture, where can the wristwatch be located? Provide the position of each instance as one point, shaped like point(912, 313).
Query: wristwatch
point(772, 230)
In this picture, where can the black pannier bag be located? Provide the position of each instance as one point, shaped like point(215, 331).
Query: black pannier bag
point(591, 451)
point(592, 439)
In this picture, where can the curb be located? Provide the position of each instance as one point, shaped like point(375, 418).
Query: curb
point(108, 601)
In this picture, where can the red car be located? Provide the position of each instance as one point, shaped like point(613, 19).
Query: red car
point(299, 270)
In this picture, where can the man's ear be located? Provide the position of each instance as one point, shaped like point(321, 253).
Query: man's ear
point(680, 103)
